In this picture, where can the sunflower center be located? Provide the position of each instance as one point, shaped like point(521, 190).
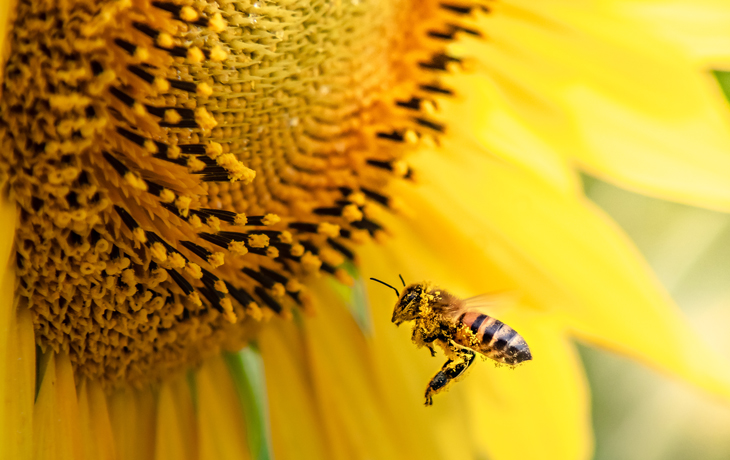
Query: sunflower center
point(178, 166)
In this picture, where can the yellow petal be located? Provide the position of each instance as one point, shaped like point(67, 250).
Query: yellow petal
point(96, 427)
point(17, 376)
point(607, 93)
point(290, 394)
point(220, 418)
point(185, 412)
point(700, 27)
point(562, 252)
point(132, 414)
point(17, 351)
point(170, 439)
point(56, 422)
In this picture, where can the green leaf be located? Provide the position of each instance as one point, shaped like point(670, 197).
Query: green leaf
point(247, 370)
point(723, 79)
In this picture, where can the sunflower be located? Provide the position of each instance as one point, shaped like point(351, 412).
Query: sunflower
point(196, 190)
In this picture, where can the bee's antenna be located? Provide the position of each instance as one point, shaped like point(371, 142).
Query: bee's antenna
point(396, 290)
point(401, 280)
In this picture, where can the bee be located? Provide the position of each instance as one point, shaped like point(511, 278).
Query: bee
point(459, 327)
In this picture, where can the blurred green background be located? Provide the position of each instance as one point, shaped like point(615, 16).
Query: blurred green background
point(639, 414)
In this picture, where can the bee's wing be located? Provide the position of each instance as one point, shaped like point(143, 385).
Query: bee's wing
point(484, 303)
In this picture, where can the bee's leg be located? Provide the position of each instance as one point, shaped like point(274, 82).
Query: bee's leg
point(428, 342)
point(451, 370)
point(420, 338)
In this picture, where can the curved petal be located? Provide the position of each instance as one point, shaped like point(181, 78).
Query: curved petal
point(133, 419)
point(95, 424)
point(220, 418)
point(56, 421)
point(17, 351)
point(560, 251)
point(700, 27)
point(617, 99)
point(171, 442)
point(290, 395)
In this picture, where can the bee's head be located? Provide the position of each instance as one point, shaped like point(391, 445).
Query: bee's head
point(409, 304)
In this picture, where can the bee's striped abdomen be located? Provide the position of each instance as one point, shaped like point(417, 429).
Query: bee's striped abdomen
point(494, 339)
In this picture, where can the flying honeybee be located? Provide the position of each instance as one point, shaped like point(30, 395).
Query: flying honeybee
point(459, 327)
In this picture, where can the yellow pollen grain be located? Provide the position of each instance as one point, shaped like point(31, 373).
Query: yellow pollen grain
point(238, 248)
point(135, 181)
point(220, 286)
point(297, 250)
point(188, 14)
point(195, 55)
point(164, 40)
point(161, 85)
point(240, 219)
point(213, 150)
point(139, 235)
point(218, 54)
point(411, 136)
point(216, 259)
point(183, 205)
point(400, 168)
point(228, 310)
point(140, 110)
point(150, 146)
point(270, 219)
point(278, 290)
point(258, 241)
point(254, 311)
point(328, 229)
point(195, 165)
point(428, 107)
point(236, 169)
point(167, 195)
point(173, 152)
point(204, 119)
point(351, 213)
point(285, 237)
point(217, 23)
point(310, 262)
point(172, 116)
point(272, 252)
point(194, 297)
point(214, 223)
point(194, 270)
point(176, 260)
point(203, 89)
point(293, 285)
point(141, 53)
point(195, 221)
point(158, 251)
point(331, 256)
point(358, 198)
